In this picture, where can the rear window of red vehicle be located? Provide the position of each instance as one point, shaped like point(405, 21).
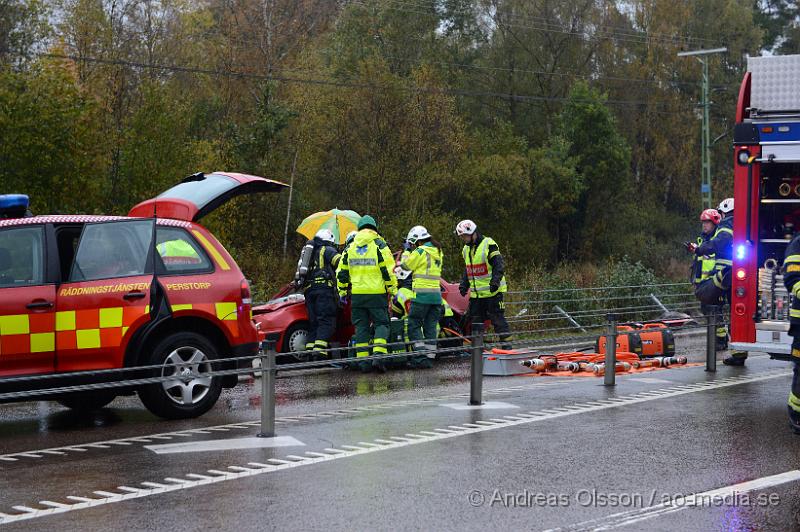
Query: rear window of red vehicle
point(180, 253)
point(214, 186)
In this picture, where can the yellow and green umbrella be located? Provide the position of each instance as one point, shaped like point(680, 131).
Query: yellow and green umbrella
point(339, 222)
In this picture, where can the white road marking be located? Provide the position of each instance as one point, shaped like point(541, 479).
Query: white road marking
point(706, 499)
point(649, 380)
point(488, 405)
point(247, 425)
point(155, 488)
point(224, 445)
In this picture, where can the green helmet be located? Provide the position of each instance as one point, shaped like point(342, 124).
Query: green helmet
point(367, 221)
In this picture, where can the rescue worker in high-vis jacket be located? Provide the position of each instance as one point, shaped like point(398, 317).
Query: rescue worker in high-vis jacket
point(320, 292)
point(704, 267)
point(367, 269)
point(401, 301)
point(716, 290)
point(483, 278)
point(349, 238)
point(399, 307)
point(791, 278)
point(347, 241)
point(425, 264)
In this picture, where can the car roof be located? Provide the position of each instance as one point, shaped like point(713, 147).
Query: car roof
point(84, 219)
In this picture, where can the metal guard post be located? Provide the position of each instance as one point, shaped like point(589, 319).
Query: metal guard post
point(268, 371)
point(711, 339)
point(609, 378)
point(476, 370)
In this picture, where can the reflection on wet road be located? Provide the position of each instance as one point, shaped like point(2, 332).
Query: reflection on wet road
point(401, 450)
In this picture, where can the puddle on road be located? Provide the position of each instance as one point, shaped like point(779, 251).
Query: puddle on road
point(338, 384)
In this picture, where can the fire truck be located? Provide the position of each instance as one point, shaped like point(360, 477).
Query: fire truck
point(767, 199)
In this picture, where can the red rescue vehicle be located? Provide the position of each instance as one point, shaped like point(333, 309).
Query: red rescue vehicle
point(81, 293)
point(767, 199)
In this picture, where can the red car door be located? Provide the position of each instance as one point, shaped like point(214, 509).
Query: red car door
point(27, 322)
point(106, 298)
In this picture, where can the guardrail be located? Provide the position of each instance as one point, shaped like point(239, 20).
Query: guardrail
point(52, 385)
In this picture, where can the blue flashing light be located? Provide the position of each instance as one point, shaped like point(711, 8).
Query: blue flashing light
point(740, 252)
point(14, 201)
point(13, 205)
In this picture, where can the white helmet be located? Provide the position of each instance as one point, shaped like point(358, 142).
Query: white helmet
point(326, 235)
point(350, 236)
point(417, 232)
point(466, 227)
point(726, 206)
point(401, 274)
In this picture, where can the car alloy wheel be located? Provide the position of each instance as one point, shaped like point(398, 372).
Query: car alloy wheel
point(187, 365)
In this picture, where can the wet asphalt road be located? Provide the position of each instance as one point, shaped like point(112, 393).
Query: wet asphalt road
point(606, 466)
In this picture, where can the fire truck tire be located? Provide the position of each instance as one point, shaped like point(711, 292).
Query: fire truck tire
point(186, 396)
point(88, 401)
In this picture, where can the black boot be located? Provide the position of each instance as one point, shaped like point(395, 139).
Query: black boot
point(736, 359)
point(506, 340)
point(794, 420)
point(379, 366)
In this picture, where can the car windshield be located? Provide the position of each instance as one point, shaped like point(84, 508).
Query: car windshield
point(201, 190)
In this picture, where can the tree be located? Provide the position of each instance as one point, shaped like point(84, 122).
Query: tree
point(780, 20)
point(49, 148)
point(603, 159)
point(23, 28)
point(557, 187)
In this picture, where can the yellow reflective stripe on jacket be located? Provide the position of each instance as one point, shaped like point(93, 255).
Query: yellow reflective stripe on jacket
point(321, 271)
point(448, 310)
point(479, 270)
point(426, 264)
point(792, 258)
point(794, 401)
point(400, 299)
point(722, 230)
point(707, 263)
point(707, 267)
point(364, 266)
point(794, 313)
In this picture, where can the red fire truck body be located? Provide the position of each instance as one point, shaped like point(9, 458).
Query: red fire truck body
point(767, 199)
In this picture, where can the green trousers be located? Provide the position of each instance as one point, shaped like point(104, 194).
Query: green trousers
point(422, 323)
point(365, 317)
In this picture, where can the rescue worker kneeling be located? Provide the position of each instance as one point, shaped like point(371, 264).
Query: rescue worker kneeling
point(366, 267)
point(400, 306)
point(716, 289)
point(425, 264)
point(320, 295)
point(704, 268)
